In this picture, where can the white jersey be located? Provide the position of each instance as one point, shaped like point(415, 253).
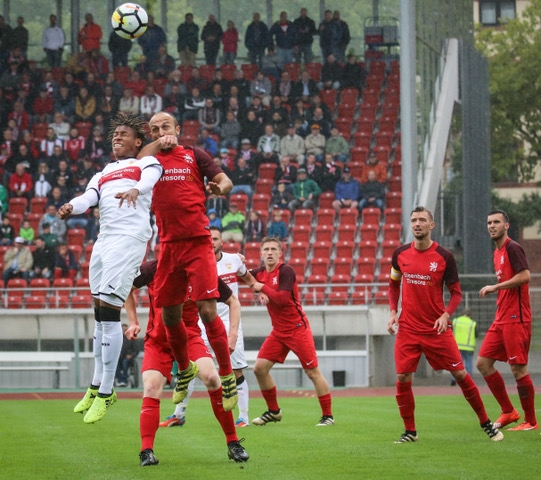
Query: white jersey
point(230, 266)
point(120, 176)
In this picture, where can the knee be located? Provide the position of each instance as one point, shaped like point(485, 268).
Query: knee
point(403, 377)
point(207, 310)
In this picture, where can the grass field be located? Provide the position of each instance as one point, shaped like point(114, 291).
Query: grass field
point(42, 439)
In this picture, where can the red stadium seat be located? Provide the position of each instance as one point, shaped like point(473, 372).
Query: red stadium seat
point(267, 170)
point(342, 266)
point(369, 232)
point(326, 199)
point(303, 216)
point(16, 220)
point(240, 199)
point(249, 69)
point(16, 287)
point(18, 205)
point(13, 301)
point(392, 231)
point(76, 236)
point(338, 298)
point(261, 202)
point(345, 249)
point(301, 233)
point(251, 249)
point(325, 216)
point(299, 249)
point(393, 215)
point(320, 266)
point(317, 283)
point(366, 265)
point(322, 249)
point(367, 248)
point(37, 205)
point(348, 216)
point(81, 301)
point(347, 232)
point(328, 97)
point(394, 199)
point(314, 70)
point(232, 247)
point(371, 216)
point(361, 296)
point(324, 233)
point(264, 185)
point(84, 128)
point(63, 286)
point(35, 301)
point(388, 247)
point(39, 287)
point(349, 96)
point(340, 283)
point(299, 265)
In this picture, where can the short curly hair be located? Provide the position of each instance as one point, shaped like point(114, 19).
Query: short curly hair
point(135, 122)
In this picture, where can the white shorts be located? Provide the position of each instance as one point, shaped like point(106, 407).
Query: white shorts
point(114, 264)
point(238, 359)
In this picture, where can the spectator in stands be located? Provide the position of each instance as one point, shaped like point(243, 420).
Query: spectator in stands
point(230, 131)
point(233, 224)
point(9, 141)
point(144, 70)
point(65, 104)
point(230, 41)
point(63, 170)
point(277, 106)
point(270, 64)
point(93, 226)
point(318, 118)
point(346, 192)
point(61, 184)
point(278, 227)
point(65, 263)
point(372, 163)
point(85, 106)
point(340, 37)
point(331, 173)
point(108, 105)
point(279, 124)
point(284, 89)
point(193, 103)
point(43, 180)
point(313, 169)
point(25, 156)
point(210, 116)
point(55, 197)
point(119, 48)
point(77, 66)
point(268, 146)
point(163, 64)
point(284, 35)
point(90, 34)
point(137, 83)
point(31, 143)
point(237, 108)
point(7, 232)
point(152, 39)
point(298, 114)
point(325, 32)
point(261, 87)
point(20, 117)
point(207, 142)
point(129, 103)
point(372, 193)
point(27, 232)
point(19, 37)
point(86, 168)
point(354, 74)
point(74, 146)
point(98, 148)
point(251, 128)
point(243, 87)
point(10, 78)
point(60, 126)
point(337, 146)
point(218, 203)
point(17, 261)
point(256, 39)
point(98, 64)
point(20, 182)
point(57, 226)
point(43, 107)
point(53, 41)
point(225, 160)
point(71, 84)
point(292, 145)
point(211, 36)
point(282, 196)
point(243, 177)
point(151, 103)
point(214, 219)
point(259, 109)
point(306, 29)
point(173, 102)
point(217, 96)
point(305, 191)
point(254, 230)
point(286, 171)
point(331, 74)
point(44, 256)
point(187, 40)
point(315, 142)
point(175, 78)
point(305, 88)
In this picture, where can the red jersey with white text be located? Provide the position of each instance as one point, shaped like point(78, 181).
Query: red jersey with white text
point(423, 274)
point(284, 305)
point(513, 304)
point(179, 197)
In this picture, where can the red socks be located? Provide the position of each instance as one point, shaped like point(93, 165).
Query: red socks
point(325, 403)
point(271, 399)
point(497, 387)
point(406, 404)
point(472, 395)
point(149, 421)
point(526, 393)
point(177, 337)
point(218, 341)
point(224, 418)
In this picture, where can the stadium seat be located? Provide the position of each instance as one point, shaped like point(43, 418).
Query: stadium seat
point(394, 199)
point(301, 233)
point(303, 216)
point(363, 139)
point(81, 301)
point(40, 287)
point(346, 110)
point(159, 85)
point(364, 278)
point(344, 125)
point(328, 97)
point(207, 71)
point(345, 249)
point(90, 246)
point(396, 167)
point(293, 69)
point(325, 216)
point(13, 301)
point(322, 249)
point(228, 71)
point(77, 251)
point(35, 301)
point(324, 233)
point(251, 250)
point(349, 95)
point(347, 232)
point(342, 266)
point(190, 128)
point(367, 248)
point(320, 266)
point(356, 167)
point(395, 184)
point(392, 231)
point(267, 170)
point(241, 200)
point(314, 296)
point(246, 297)
point(326, 199)
point(82, 283)
point(382, 153)
point(16, 220)
point(232, 247)
point(286, 216)
point(37, 205)
point(371, 216)
point(299, 265)
point(338, 298)
point(84, 128)
point(361, 296)
point(76, 236)
point(348, 216)
point(18, 205)
point(39, 130)
point(59, 301)
point(343, 282)
point(122, 74)
point(366, 265)
point(385, 264)
point(313, 69)
point(84, 266)
point(393, 215)
point(299, 249)
point(369, 232)
point(34, 219)
point(264, 185)
point(388, 247)
point(249, 69)
point(381, 297)
point(317, 283)
point(63, 286)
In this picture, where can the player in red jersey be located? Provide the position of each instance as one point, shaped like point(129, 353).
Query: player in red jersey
point(422, 268)
point(158, 360)
point(508, 338)
point(277, 286)
point(186, 253)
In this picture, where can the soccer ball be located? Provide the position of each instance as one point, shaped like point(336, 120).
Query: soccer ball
point(129, 20)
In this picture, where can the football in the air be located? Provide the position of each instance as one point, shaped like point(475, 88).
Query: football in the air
point(129, 20)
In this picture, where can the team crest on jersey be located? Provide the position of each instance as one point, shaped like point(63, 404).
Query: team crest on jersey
point(502, 260)
point(433, 266)
point(188, 158)
point(275, 281)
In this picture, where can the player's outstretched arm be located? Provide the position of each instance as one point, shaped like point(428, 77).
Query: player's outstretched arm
point(221, 184)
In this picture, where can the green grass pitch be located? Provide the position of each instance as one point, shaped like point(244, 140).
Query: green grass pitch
point(43, 439)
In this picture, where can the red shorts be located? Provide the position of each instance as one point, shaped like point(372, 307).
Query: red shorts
point(184, 263)
point(508, 342)
point(299, 341)
point(158, 356)
point(441, 351)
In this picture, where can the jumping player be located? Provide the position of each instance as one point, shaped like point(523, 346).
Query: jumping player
point(158, 360)
point(277, 286)
point(422, 268)
point(508, 338)
point(186, 254)
point(123, 193)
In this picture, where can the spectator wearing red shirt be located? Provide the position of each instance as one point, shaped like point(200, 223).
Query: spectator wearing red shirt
point(21, 118)
point(137, 84)
point(20, 183)
point(74, 145)
point(65, 263)
point(230, 40)
point(90, 34)
point(98, 64)
point(43, 107)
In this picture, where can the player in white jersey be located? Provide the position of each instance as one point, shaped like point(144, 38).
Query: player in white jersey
point(123, 194)
point(230, 267)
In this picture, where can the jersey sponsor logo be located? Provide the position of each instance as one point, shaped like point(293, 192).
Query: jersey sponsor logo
point(129, 173)
point(173, 174)
point(229, 278)
point(418, 279)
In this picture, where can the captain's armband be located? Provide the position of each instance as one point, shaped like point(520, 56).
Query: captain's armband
point(396, 275)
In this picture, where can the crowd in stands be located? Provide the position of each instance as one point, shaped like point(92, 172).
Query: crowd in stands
point(292, 133)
